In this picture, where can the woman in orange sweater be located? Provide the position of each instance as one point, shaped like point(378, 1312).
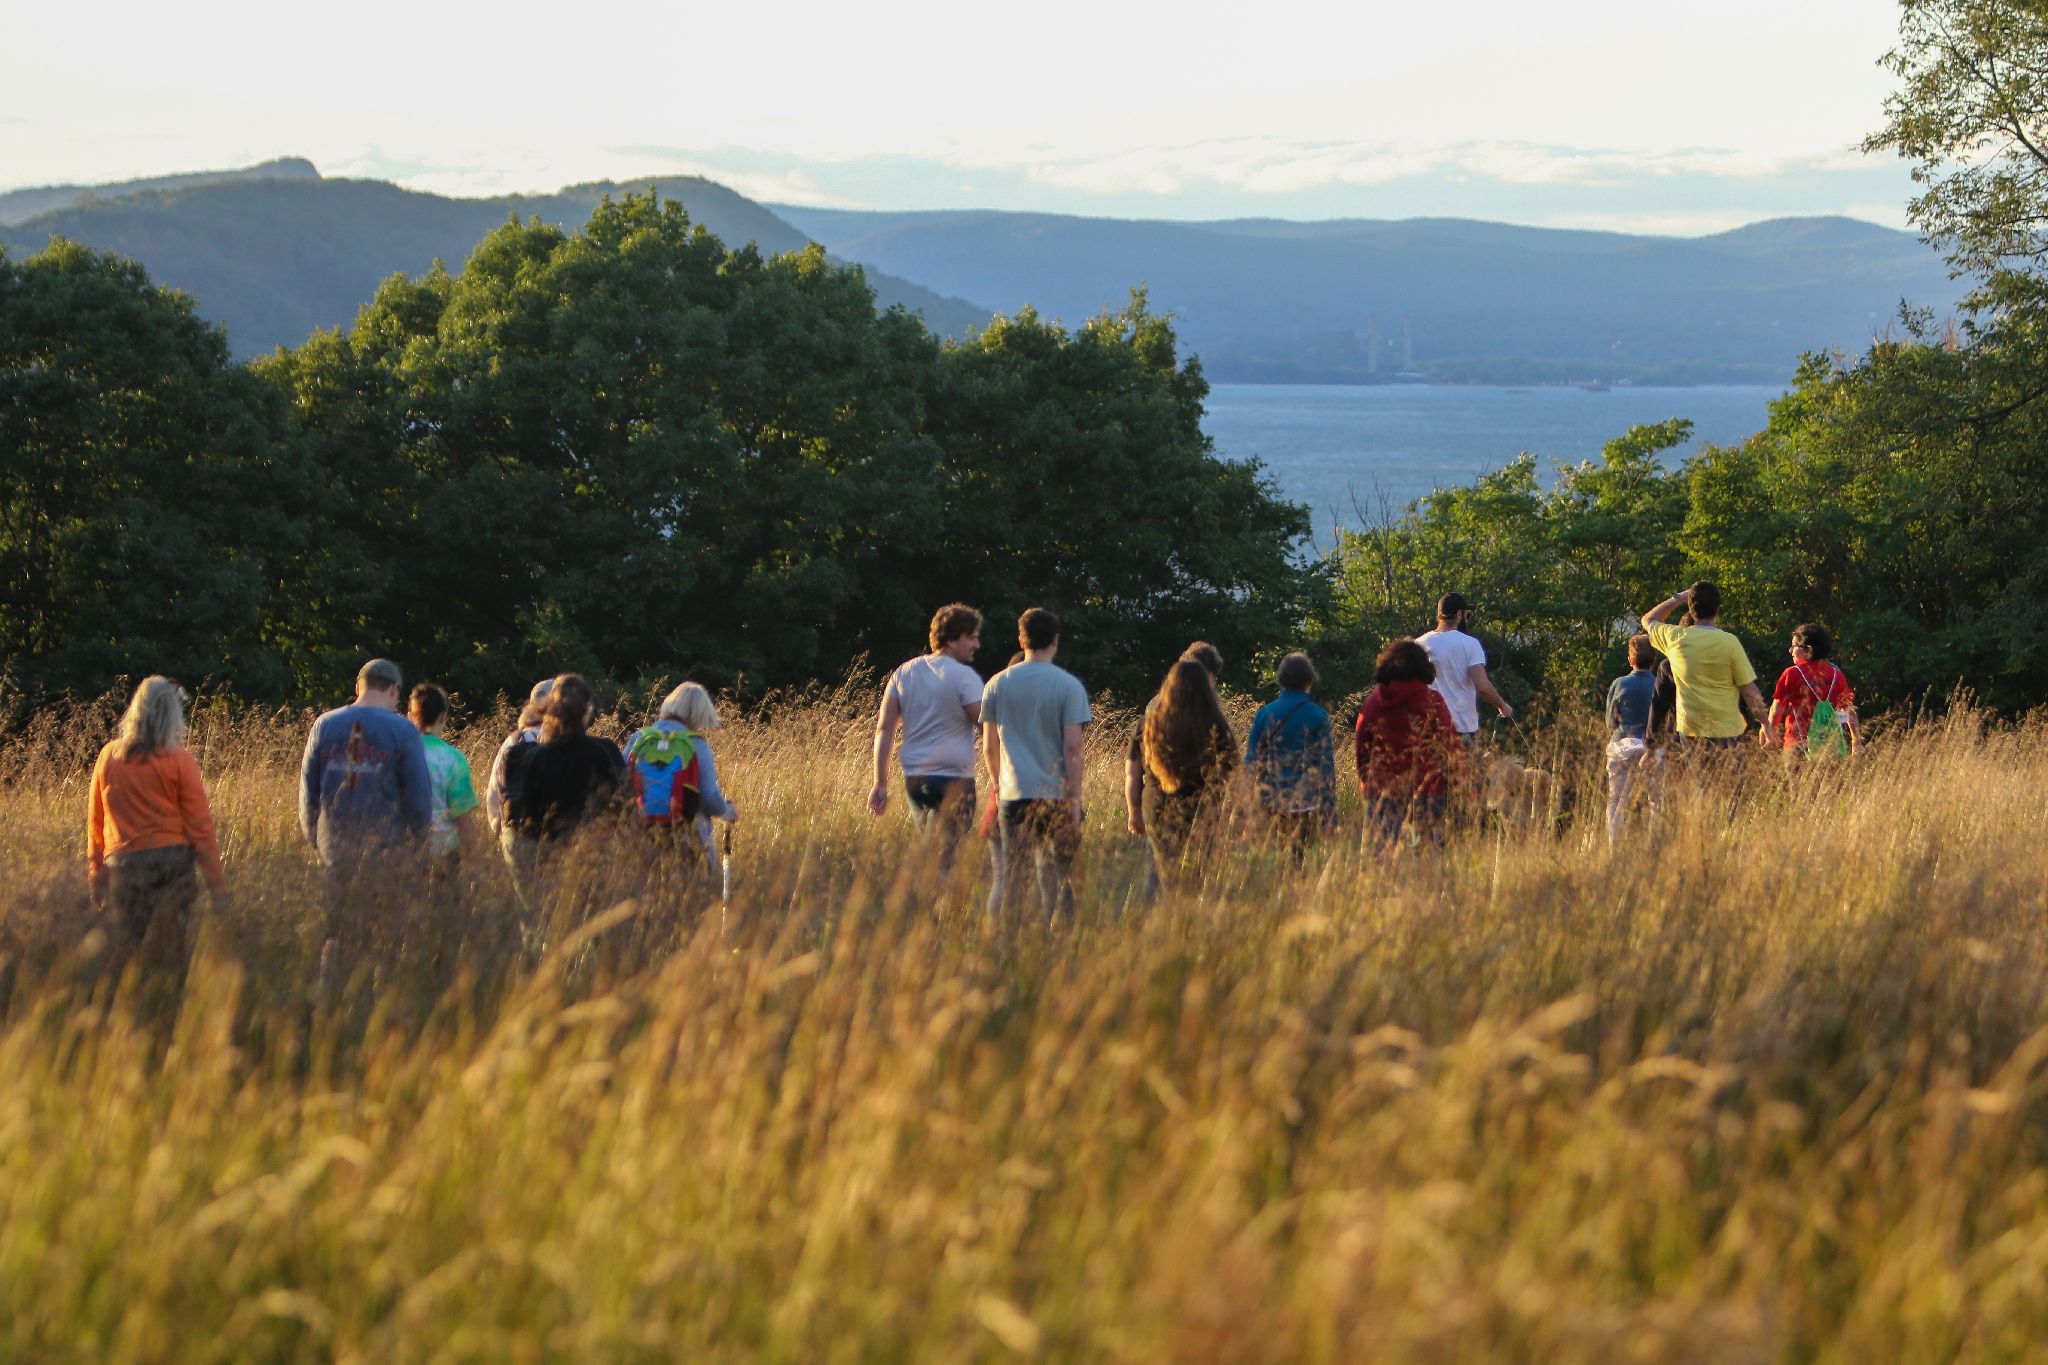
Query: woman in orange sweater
point(149, 833)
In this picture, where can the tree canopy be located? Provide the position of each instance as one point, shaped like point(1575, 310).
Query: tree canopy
point(626, 450)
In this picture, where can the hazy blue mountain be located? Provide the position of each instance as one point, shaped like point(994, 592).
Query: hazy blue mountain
point(18, 206)
point(1275, 300)
point(273, 259)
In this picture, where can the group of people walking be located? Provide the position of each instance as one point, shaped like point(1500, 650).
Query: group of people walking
point(379, 785)
point(1691, 687)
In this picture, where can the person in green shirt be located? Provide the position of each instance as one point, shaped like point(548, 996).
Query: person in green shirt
point(1714, 679)
point(447, 772)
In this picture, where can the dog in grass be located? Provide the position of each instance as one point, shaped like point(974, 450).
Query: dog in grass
point(1518, 796)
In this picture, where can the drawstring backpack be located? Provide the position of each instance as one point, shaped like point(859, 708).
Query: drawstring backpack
point(1825, 735)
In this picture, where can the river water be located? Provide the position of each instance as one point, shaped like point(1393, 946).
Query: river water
point(1333, 446)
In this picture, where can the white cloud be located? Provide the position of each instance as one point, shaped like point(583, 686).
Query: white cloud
point(1278, 167)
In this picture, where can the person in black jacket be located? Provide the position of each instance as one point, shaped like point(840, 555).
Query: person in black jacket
point(1663, 706)
point(560, 783)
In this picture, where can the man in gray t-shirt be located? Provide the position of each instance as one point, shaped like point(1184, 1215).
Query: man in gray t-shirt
point(1031, 719)
point(936, 700)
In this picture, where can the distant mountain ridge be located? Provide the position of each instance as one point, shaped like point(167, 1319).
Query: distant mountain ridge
point(18, 206)
point(276, 251)
point(1354, 300)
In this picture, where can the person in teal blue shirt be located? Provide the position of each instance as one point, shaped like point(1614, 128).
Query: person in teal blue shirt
point(1292, 758)
point(448, 776)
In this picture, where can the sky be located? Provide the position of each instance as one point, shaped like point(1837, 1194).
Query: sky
point(1572, 113)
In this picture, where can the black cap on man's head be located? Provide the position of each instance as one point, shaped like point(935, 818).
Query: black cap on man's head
point(1450, 604)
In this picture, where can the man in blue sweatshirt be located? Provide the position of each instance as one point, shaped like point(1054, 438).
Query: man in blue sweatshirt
point(366, 803)
point(363, 786)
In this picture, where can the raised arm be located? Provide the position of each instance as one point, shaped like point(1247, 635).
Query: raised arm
point(1655, 615)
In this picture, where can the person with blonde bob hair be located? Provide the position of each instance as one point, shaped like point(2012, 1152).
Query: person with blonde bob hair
point(149, 835)
point(673, 774)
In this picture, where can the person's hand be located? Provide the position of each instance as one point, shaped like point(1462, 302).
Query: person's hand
point(1763, 737)
point(878, 799)
point(1135, 823)
point(1076, 810)
point(1683, 595)
point(1506, 712)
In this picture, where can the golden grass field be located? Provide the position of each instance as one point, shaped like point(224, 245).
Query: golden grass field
point(1769, 1084)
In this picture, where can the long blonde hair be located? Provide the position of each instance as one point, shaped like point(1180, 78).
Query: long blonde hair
point(154, 720)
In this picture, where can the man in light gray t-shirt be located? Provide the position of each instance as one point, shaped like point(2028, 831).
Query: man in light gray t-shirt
point(1031, 719)
point(936, 699)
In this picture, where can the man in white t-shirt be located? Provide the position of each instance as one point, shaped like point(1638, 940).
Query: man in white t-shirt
point(1461, 667)
point(936, 700)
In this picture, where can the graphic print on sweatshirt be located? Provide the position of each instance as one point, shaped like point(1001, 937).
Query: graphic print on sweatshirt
point(356, 757)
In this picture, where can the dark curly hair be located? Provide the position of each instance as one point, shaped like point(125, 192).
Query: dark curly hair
point(1404, 660)
point(1815, 640)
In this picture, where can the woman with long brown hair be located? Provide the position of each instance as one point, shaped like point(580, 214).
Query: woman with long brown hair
point(1190, 757)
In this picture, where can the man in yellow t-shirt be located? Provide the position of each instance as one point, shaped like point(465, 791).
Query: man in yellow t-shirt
point(1713, 674)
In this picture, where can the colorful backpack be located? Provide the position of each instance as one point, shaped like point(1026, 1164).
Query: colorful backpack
point(663, 764)
point(1825, 737)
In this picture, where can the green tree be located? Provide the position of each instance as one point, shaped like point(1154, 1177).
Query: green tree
point(1900, 501)
point(1971, 114)
point(1556, 573)
point(1076, 476)
point(150, 493)
point(625, 450)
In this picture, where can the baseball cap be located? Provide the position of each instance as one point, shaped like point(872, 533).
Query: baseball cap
point(379, 673)
point(1450, 604)
point(541, 690)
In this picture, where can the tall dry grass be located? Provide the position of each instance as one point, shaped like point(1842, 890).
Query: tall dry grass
point(1763, 1082)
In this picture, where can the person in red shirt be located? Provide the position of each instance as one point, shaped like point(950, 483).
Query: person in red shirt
point(149, 837)
point(1813, 678)
point(1409, 757)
